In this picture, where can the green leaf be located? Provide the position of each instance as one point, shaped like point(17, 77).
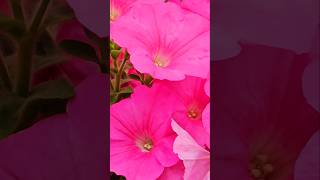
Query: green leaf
point(12, 27)
point(135, 77)
point(57, 18)
point(113, 98)
point(47, 97)
point(148, 80)
point(55, 89)
point(79, 49)
point(115, 54)
point(126, 90)
point(44, 62)
point(114, 46)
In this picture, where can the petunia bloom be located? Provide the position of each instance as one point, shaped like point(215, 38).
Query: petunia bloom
point(66, 146)
point(196, 159)
point(164, 40)
point(192, 101)
point(262, 121)
point(141, 137)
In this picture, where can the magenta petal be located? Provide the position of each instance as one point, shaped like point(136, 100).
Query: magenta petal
point(195, 158)
point(43, 151)
point(164, 152)
point(206, 118)
point(87, 112)
point(308, 163)
point(92, 14)
point(174, 172)
point(137, 167)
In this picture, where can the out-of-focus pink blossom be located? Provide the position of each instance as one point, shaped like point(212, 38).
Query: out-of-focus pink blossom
point(67, 146)
point(140, 134)
point(262, 121)
point(164, 40)
point(196, 158)
point(92, 14)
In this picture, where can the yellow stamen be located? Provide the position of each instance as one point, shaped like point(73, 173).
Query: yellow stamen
point(260, 168)
point(161, 61)
point(192, 114)
point(147, 146)
point(114, 14)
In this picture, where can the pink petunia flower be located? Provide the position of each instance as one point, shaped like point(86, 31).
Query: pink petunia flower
point(69, 146)
point(141, 138)
point(201, 7)
point(119, 8)
point(164, 40)
point(192, 101)
point(262, 121)
point(196, 159)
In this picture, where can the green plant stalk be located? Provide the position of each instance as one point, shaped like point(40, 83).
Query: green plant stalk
point(104, 66)
point(17, 9)
point(25, 52)
point(4, 74)
point(119, 74)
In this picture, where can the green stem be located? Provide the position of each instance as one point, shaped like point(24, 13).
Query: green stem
point(25, 52)
point(104, 66)
point(39, 16)
point(118, 77)
point(4, 74)
point(17, 9)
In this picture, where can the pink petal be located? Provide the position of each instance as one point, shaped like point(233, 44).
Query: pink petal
point(174, 172)
point(92, 14)
point(201, 7)
point(206, 118)
point(25, 155)
point(195, 159)
point(140, 166)
point(308, 163)
point(186, 147)
point(164, 152)
point(87, 126)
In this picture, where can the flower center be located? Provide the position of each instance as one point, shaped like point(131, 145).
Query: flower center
point(161, 61)
point(145, 145)
point(114, 14)
point(260, 168)
point(192, 114)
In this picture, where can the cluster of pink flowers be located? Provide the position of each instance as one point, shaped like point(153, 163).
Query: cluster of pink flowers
point(162, 130)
